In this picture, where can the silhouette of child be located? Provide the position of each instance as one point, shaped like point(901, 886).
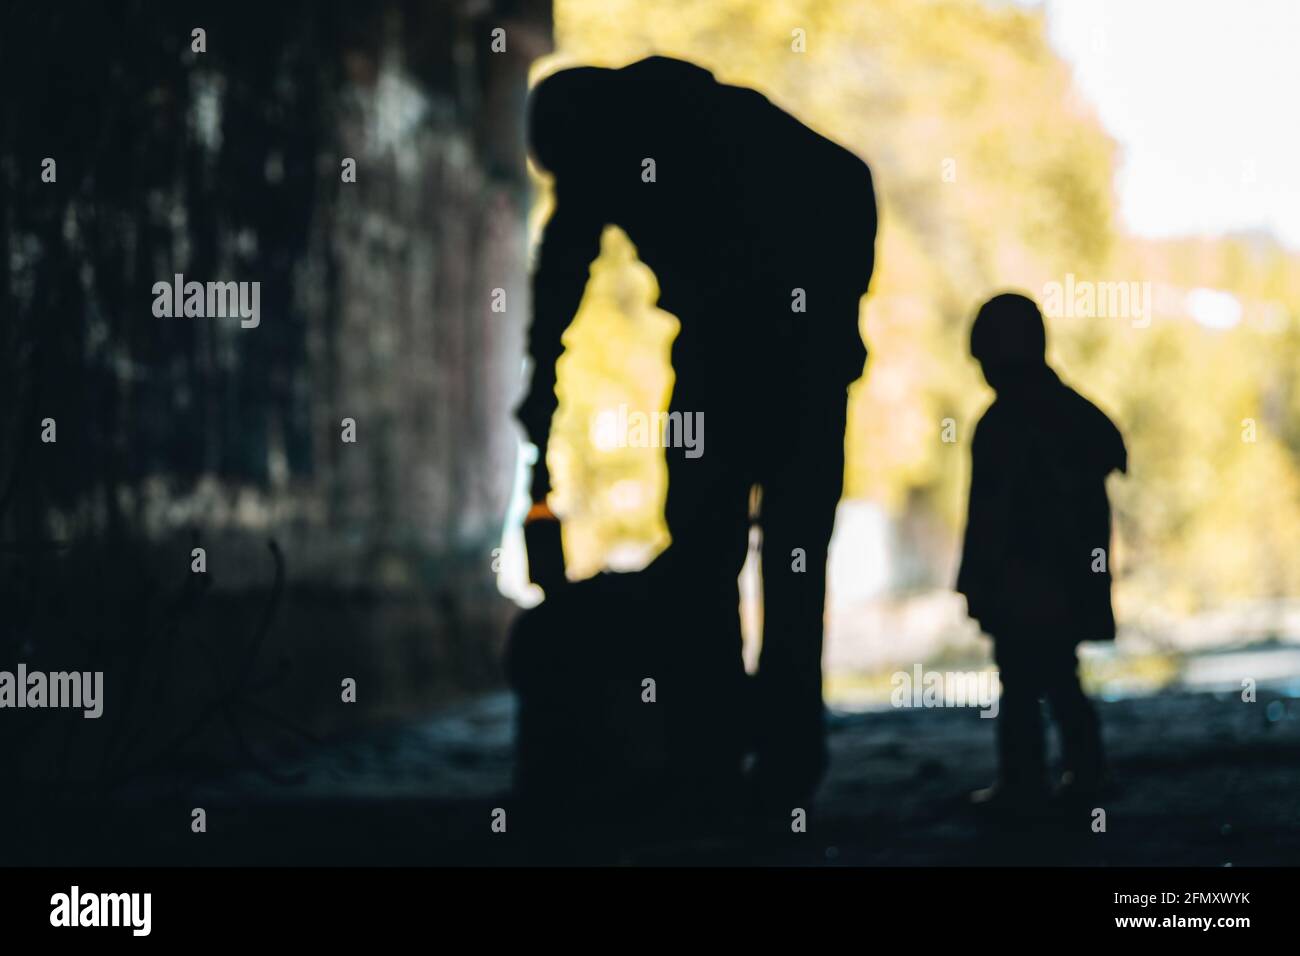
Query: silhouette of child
point(1035, 565)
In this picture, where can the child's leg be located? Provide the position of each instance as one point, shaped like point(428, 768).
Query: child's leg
point(1076, 719)
point(1021, 746)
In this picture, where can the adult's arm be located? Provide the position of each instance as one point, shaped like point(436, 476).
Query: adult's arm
point(570, 241)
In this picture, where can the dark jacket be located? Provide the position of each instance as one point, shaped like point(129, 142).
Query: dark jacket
point(1036, 558)
point(747, 205)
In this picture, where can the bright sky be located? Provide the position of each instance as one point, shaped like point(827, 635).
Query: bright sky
point(1201, 95)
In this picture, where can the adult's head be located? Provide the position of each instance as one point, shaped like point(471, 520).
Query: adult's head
point(573, 110)
point(565, 110)
point(1009, 340)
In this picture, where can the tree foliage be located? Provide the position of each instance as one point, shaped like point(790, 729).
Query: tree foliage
point(992, 173)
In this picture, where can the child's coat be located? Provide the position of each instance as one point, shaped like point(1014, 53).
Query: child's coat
point(1036, 556)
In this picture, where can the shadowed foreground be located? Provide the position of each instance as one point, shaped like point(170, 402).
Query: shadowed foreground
point(1205, 780)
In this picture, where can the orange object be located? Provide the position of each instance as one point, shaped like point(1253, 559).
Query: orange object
point(540, 511)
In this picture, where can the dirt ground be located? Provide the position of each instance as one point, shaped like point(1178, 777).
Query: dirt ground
point(1203, 779)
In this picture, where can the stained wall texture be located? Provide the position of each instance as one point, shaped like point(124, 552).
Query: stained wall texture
point(221, 158)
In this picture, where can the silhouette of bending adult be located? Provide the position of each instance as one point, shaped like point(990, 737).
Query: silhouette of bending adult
point(761, 234)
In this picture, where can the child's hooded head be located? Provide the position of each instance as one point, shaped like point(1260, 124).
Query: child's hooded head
point(1009, 341)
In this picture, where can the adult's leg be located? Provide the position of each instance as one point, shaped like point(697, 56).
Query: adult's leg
point(703, 680)
point(801, 486)
point(707, 505)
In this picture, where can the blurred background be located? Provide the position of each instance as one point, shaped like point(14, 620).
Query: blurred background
point(1013, 144)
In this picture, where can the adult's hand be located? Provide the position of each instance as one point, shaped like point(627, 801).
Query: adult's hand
point(541, 483)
